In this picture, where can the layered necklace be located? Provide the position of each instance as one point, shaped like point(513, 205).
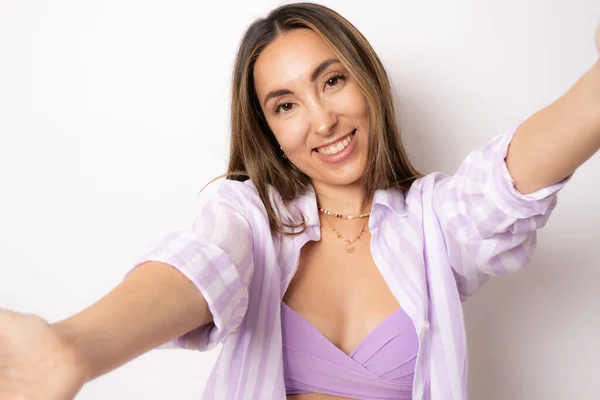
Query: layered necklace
point(349, 242)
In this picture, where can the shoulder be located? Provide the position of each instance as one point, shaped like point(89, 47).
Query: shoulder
point(236, 193)
point(423, 187)
point(428, 182)
point(240, 196)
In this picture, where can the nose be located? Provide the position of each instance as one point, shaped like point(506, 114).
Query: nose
point(323, 120)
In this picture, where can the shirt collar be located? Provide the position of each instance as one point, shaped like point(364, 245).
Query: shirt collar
point(393, 199)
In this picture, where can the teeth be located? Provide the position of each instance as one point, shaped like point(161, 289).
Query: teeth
point(336, 148)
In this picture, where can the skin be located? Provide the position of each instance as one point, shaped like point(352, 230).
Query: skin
point(42, 361)
point(343, 295)
point(314, 114)
point(547, 147)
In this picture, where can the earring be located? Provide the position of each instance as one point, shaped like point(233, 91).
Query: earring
point(284, 156)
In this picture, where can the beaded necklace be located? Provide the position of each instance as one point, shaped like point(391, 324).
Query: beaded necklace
point(324, 211)
point(349, 242)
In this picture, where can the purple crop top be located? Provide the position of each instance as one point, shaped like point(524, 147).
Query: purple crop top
point(381, 367)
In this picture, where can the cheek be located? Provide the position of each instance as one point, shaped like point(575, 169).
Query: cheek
point(291, 135)
point(362, 108)
point(353, 104)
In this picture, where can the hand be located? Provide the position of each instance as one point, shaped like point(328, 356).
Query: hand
point(36, 363)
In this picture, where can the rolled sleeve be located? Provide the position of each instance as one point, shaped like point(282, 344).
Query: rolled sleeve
point(215, 254)
point(501, 187)
point(489, 227)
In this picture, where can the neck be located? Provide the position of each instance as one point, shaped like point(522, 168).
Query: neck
point(348, 200)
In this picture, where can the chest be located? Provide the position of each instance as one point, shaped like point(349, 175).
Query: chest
point(343, 295)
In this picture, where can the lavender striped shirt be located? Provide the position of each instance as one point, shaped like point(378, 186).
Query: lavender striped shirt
point(434, 245)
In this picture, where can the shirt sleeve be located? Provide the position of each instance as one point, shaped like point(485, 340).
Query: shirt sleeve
point(216, 254)
point(489, 227)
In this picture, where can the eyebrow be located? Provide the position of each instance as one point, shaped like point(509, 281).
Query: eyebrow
point(313, 77)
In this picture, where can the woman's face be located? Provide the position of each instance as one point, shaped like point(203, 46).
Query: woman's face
point(314, 107)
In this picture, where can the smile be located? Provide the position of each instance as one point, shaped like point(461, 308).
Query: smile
point(337, 146)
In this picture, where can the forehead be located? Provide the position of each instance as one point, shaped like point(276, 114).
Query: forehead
point(289, 59)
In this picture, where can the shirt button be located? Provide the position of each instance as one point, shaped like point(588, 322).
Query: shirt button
point(426, 326)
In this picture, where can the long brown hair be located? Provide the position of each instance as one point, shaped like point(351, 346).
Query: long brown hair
point(254, 151)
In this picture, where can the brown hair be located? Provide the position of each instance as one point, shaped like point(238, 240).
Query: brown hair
point(254, 151)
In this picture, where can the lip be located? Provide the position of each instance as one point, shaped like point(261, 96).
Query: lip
point(341, 155)
point(334, 142)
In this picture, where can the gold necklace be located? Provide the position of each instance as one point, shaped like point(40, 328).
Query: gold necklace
point(363, 215)
point(349, 242)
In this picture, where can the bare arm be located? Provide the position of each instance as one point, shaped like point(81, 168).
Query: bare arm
point(556, 140)
point(153, 305)
point(205, 263)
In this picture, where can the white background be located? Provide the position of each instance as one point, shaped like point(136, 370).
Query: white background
point(114, 113)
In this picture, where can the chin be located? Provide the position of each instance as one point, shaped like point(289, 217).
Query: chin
point(341, 180)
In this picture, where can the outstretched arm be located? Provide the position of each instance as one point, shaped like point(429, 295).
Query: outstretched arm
point(154, 304)
point(190, 287)
point(52, 362)
point(555, 141)
point(490, 210)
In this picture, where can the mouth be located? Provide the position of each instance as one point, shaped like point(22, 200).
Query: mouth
point(337, 146)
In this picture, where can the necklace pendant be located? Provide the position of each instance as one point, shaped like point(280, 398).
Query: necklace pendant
point(349, 248)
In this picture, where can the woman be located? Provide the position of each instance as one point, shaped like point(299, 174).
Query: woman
point(336, 270)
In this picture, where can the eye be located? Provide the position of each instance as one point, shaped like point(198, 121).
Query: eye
point(282, 108)
point(334, 80)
